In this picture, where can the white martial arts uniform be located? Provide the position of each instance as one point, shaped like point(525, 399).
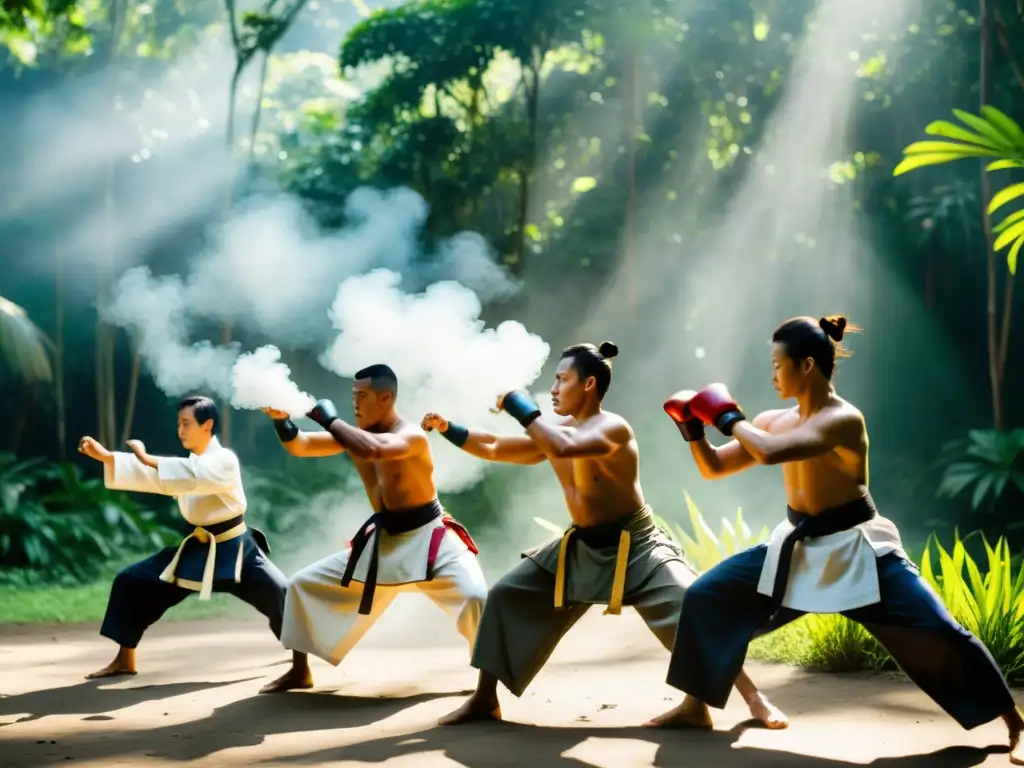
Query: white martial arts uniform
point(322, 616)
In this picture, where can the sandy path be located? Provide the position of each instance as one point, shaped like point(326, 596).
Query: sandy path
point(195, 699)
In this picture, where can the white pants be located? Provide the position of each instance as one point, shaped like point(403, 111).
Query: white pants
point(321, 617)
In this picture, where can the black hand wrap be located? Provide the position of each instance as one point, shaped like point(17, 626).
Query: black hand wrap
point(456, 434)
point(286, 430)
point(323, 413)
point(727, 421)
point(520, 406)
point(692, 430)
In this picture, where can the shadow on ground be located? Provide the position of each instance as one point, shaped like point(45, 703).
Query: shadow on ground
point(92, 698)
point(483, 746)
point(243, 723)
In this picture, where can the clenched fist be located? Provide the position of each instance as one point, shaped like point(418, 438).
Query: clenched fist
point(275, 414)
point(434, 421)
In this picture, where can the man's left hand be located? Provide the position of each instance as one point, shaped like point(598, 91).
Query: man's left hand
point(139, 449)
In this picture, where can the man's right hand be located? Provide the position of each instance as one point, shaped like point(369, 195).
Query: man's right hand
point(678, 407)
point(92, 448)
point(434, 421)
point(714, 406)
point(275, 414)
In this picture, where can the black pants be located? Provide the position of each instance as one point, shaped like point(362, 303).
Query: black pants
point(138, 598)
point(723, 610)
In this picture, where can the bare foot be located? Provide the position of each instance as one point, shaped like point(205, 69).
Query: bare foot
point(475, 710)
point(113, 669)
point(762, 709)
point(1015, 723)
point(295, 679)
point(692, 713)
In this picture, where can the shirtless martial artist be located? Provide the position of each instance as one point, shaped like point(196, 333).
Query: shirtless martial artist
point(832, 528)
point(612, 555)
point(222, 554)
point(409, 543)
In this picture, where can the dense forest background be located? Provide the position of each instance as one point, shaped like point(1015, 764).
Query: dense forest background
point(678, 176)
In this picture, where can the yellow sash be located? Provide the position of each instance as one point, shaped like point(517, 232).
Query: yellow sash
point(618, 581)
point(204, 587)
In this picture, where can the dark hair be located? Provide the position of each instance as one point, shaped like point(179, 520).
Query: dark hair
point(203, 408)
point(821, 340)
point(382, 378)
point(589, 360)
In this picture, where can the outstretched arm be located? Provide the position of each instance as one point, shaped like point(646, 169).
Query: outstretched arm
point(306, 445)
point(813, 438)
point(211, 473)
point(370, 446)
point(517, 449)
point(715, 463)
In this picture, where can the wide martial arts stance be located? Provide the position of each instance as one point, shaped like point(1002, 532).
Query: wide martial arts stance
point(833, 554)
point(409, 543)
point(221, 555)
point(612, 555)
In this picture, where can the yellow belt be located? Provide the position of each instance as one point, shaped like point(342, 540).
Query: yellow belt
point(204, 587)
point(618, 581)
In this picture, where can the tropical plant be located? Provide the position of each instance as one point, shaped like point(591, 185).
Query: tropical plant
point(991, 606)
point(987, 461)
point(52, 518)
point(989, 135)
point(25, 348)
point(992, 134)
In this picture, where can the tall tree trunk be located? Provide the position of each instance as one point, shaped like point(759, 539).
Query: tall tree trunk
point(1004, 333)
point(105, 339)
point(990, 256)
point(257, 113)
point(227, 329)
point(133, 393)
point(531, 71)
point(631, 128)
point(58, 361)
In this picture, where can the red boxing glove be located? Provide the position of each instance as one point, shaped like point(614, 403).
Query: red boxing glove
point(678, 407)
point(715, 407)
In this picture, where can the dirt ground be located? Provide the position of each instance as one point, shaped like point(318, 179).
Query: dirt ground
point(195, 699)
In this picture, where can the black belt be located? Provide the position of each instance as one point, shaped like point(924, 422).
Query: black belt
point(216, 529)
point(829, 521)
point(394, 522)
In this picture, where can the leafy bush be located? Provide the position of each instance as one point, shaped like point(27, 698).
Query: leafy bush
point(52, 518)
point(991, 605)
point(987, 461)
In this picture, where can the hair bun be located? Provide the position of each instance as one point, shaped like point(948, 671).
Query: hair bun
point(608, 349)
point(833, 327)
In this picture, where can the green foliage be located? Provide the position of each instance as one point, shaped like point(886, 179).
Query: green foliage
point(987, 461)
point(51, 518)
point(990, 605)
point(992, 134)
point(24, 347)
point(704, 550)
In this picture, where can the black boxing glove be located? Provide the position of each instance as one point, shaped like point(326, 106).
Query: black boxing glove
point(323, 413)
point(520, 406)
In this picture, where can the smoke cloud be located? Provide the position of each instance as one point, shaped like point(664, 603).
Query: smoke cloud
point(445, 359)
point(364, 294)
